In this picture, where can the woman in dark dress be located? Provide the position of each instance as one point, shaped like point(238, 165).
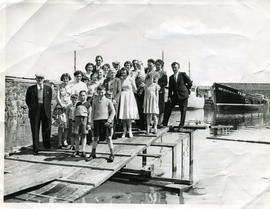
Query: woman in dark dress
point(162, 82)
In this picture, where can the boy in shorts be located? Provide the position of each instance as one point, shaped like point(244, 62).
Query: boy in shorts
point(82, 122)
point(71, 119)
point(103, 113)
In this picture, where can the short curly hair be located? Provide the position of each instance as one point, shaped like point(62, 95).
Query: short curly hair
point(78, 72)
point(124, 69)
point(89, 63)
point(65, 75)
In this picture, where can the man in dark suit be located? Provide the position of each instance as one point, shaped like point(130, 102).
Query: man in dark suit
point(179, 90)
point(38, 100)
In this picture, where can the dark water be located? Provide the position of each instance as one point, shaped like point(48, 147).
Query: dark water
point(17, 133)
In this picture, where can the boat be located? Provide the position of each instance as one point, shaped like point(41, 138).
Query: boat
point(227, 98)
point(195, 101)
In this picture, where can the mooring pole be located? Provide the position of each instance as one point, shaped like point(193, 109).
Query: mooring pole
point(75, 60)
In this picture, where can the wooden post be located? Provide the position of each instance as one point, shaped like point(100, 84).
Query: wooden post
point(182, 158)
point(174, 161)
point(144, 158)
point(191, 156)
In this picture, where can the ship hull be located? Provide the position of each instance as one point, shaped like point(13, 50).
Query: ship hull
point(230, 99)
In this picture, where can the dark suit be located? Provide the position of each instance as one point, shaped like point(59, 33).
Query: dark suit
point(39, 113)
point(178, 94)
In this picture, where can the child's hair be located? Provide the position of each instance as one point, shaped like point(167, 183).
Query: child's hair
point(74, 96)
point(148, 76)
point(109, 93)
point(100, 88)
point(59, 107)
point(95, 73)
point(85, 78)
point(82, 92)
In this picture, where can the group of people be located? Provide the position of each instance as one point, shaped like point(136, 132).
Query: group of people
point(103, 97)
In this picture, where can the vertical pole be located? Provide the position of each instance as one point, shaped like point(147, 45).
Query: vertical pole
point(162, 56)
point(75, 60)
point(182, 158)
point(144, 161)
point(174, 161)
point(191, 156)
point(188, 68)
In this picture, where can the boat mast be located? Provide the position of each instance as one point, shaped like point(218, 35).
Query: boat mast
point(188, 68)
point(75, 56)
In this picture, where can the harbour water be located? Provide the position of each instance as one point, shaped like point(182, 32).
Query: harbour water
point(210, 157)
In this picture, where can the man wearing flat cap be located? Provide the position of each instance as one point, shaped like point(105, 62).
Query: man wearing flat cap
point(38, 100)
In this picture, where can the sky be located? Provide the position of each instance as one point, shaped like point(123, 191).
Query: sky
point(224, 42)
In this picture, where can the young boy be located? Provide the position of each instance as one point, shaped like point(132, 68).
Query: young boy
point(109, 95)
point(102, 116)
point(71, 119)
point(82, 122)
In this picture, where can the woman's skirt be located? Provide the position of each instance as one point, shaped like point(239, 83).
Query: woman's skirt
point(128, 107)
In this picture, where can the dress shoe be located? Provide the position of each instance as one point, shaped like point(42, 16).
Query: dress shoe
point(110, 159)
point(90, 157)
point(83, 155)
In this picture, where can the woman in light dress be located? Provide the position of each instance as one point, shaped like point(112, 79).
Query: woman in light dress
point(150, 104)
point(63, 100)
point(128, 110)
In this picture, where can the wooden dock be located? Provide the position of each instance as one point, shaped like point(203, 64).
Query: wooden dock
point(69, 178)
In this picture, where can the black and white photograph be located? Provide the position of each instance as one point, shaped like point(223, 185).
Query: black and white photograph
point(113, 103)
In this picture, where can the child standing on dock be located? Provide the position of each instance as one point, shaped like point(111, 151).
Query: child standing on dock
point(82, 122)
point(71, 119)
point(103, 113)
point(150, 104)
point(60, 121)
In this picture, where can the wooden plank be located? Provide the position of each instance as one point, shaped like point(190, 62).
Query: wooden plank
point(94, 177)
point(21, 181)
point(46, 196)
point(150, 155)
point(142, 178)
point(64, 190)
point(237, 140)
point(178, 187)
point(88, 174)
point(162, 144)
point(81, 164)
point(75, 182)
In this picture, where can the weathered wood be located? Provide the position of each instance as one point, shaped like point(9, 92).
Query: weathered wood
point(63, 164)
point(21, 181)
point(87, 175)
point(237, 140)
point(49, 197)
point(144, 159)
point(158, 144)
point(150, 155)
point(178, 187)
point(174, 160)
point(191, 147)
point(142, 178)
point(75, 182)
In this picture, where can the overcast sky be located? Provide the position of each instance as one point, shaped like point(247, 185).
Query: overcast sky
point(224, 42)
